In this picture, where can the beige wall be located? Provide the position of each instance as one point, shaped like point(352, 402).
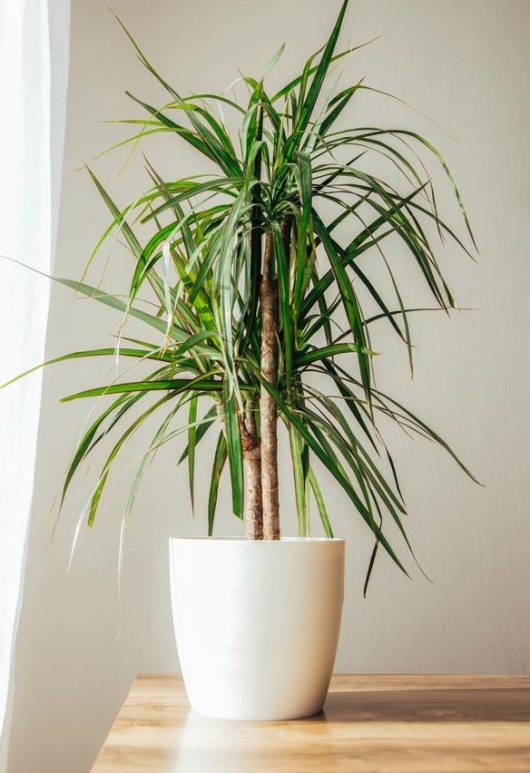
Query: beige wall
point(466, 65)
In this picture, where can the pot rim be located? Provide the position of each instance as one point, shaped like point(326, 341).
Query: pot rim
point(245, 540)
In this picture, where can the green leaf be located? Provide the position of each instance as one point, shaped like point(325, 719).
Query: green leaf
point(192, 440)
point(221, 453)
point(320, 73)
point(149, 354)
point(284, 302)
point(202, 429)
point(145, 460)
point(96, 496)
point(288, 89)
point(337, 105)
point(174, 385)
point(315, 355)
point(124, 228)
point(351, 306)
point(319, 499)
point(235, 452)
point(97, 295)
point(299, 481)
point(87, 441)
point(304, 266)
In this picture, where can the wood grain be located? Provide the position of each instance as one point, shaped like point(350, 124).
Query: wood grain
point(393, 723)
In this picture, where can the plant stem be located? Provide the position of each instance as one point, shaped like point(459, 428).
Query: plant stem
point(268, 410)
point(252, 462)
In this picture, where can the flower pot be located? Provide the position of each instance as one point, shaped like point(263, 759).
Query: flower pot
point(257, 623)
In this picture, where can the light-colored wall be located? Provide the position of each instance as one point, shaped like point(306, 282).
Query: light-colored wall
point(466, 65)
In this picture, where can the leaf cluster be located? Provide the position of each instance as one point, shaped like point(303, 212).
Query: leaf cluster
point(279, 176)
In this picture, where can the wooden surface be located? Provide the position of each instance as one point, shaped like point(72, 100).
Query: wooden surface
point(370, 723)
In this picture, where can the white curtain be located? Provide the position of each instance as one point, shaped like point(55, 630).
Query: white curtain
point(33, 74)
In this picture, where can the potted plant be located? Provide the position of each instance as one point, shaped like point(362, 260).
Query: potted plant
point(256, 272)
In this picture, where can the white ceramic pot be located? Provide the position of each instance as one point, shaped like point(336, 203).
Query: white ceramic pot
point(257, 623)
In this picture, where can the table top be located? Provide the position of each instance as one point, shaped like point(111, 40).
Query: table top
point(369, 723)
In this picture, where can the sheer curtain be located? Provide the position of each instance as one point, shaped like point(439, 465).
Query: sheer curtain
point(33, 74)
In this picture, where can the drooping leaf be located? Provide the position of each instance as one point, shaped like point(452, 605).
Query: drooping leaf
point(219, 461)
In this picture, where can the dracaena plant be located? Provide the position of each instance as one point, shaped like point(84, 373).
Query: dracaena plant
point(260, 318)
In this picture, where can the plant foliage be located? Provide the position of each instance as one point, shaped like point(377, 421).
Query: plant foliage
point(289, 165)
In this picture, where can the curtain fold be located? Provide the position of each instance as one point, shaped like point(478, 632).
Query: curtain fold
point(33, 76)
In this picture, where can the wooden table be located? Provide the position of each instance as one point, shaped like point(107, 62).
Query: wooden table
point(370, 723)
